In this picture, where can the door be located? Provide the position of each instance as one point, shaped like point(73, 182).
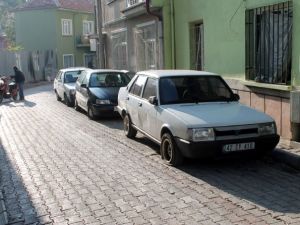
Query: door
point(134, 99)
point(147, 111)
point(59, 84)
point(81, 92)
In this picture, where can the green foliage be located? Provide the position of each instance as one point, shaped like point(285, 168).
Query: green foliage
point(7, 23)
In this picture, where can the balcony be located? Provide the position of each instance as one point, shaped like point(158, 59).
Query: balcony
point(82, 41)
point(132, 3)
point(134, 8)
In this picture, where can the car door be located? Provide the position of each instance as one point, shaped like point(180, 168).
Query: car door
point(58, 84)
point(84, 90)
point(134, 99)
point(81, 91)
point(148, 111)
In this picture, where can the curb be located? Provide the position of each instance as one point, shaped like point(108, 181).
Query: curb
point(3, 213)
point(286, 157)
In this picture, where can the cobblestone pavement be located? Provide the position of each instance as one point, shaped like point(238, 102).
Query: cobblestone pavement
point(59, 167)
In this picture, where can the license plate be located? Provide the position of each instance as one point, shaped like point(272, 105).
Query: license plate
point(239, 147)
point(116, 109)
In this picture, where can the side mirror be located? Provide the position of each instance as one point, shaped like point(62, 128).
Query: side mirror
point(153, 100)
point(236, 97)
point(83, 86)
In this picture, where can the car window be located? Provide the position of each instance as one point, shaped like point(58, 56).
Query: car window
point(84, 79)
point(109, 79)
point(71, 76)
point(81, 77)
point(58, 76)
point(150, 88)
point(137, 87)
point(190, 89)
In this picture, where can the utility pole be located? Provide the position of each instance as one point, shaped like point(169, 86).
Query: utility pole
point(100, 41)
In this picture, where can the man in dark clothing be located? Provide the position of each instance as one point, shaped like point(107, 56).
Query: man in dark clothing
point(20, 79)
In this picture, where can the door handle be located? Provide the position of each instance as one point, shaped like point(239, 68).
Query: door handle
point(140, 104)
point(127, 98)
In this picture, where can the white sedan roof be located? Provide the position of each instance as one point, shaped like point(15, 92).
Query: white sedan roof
point(168, 73)
point(73, 69)
point(105, 70)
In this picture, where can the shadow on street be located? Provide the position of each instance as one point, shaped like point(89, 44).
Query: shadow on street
point(16, 198)
point(262, 182)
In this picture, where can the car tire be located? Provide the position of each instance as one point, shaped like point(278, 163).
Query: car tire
point(1, 97)
point(129, 131)
point(67, 101)
point(169, 151)
point(76, 106)
point(57, 96)
point(90, 113)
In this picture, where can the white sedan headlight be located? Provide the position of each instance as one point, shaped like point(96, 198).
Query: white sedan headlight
point(266, 129)
point(201, 134)
point(102, 102)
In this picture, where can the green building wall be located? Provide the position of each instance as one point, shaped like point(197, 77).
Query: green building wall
point(68, 44)
point(33, 33)
point(42, 30)
point(224, 34)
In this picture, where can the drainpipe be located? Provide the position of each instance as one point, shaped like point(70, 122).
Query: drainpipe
point(173, 34)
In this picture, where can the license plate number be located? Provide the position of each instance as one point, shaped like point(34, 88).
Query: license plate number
point(239, 147)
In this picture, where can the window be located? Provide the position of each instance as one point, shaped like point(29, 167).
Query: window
point(109, 79)
point(189, 89)
point(68, 60)
point(81, 77)
point(197, 46)
point(88, 27)
point(119, 50)
point(71, 76)
point(89, 60)
point(58, 76)
point(150, 88)
point(146, 47)
point(136, 88)
point(269, 43)
point(67, 29)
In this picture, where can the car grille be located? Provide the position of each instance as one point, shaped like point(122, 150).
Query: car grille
point(236, 132)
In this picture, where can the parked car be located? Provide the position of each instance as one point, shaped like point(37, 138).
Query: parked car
point(64, 84)
point(97, 91)
point(193, 114)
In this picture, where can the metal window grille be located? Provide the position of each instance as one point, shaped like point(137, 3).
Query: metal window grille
point(119, 50)
point(199, 46)
point(269, 43)
point(146, 48)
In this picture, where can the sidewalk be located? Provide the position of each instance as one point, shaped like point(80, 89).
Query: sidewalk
point(288, 152)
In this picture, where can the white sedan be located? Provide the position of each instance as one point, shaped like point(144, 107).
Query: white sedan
point(193, 114)
point(64, 84)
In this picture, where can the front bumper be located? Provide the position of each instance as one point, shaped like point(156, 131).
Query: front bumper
point(104, 110)
point(211, 149)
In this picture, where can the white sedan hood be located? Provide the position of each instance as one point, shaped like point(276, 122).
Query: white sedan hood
point(216, 114)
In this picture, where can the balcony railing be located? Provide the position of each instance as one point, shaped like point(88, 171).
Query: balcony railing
point(131, 3)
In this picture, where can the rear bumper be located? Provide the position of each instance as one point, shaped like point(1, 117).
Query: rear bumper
point(212, 149)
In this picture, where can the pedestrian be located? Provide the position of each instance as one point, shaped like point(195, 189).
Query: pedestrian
point(20, 79)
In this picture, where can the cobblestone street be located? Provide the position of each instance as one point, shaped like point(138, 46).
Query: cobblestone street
point(59, 167)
